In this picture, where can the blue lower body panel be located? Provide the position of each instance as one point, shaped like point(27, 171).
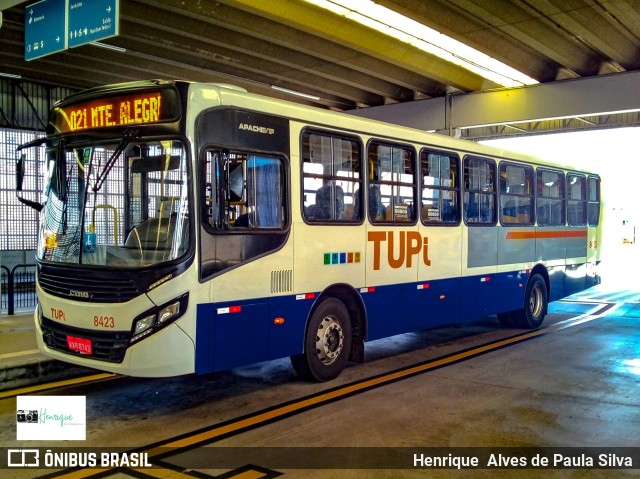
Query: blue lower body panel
point(245, 332)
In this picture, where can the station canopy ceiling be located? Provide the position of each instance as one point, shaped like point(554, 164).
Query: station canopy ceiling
point(341, 65)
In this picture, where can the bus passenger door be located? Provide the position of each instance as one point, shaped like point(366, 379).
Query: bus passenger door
point(437, 290)
point(478, 286)
point(393, 256)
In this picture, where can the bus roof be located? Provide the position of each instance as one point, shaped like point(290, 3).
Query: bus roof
point(232, 95)
point(239, 97)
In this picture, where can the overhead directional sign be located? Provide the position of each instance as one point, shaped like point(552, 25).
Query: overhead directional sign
point(51, 26)
point(45, 28)
point(92, 20)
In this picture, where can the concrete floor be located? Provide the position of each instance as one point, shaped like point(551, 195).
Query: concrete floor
point(573, 387)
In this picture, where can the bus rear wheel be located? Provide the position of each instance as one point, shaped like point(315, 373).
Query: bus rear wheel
point(327, 342)
point(535, 304)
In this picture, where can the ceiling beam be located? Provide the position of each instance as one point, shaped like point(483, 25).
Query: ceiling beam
point(168, 45)
point(564, 99)
point(364, 40)
point(494, 34)
point(242, 49)
point(323, 50)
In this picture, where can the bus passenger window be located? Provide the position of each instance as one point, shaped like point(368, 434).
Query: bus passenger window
point(480, 191)
point(331, 178)
point(550, 205)
point(391, 183)
point(577, 200)
point(440, 188)
point(516, 195)
point(329, 202)
point(593, 206)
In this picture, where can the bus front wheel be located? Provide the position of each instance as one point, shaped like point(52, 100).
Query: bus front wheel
point(327, 342)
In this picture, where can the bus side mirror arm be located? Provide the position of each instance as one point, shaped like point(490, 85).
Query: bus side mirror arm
point(32, 204)
point(19, 180)
point(20, 174)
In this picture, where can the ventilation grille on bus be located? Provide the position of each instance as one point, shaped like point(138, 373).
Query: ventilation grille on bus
point(88, 288)
point(282, 281)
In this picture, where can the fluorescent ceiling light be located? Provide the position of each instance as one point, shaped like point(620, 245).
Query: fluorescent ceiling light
point(296, 93)
point(10, 75)
point(402, 28)
point(106, 46)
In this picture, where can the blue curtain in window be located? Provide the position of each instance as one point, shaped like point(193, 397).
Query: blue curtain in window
point(265, 182)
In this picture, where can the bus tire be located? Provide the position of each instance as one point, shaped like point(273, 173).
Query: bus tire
point(535, 304)
point(327, 342)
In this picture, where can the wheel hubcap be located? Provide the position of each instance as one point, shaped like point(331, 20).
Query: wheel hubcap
point(535, 301)
point(329, 340)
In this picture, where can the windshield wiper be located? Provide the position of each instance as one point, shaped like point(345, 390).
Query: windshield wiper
point(127, 137)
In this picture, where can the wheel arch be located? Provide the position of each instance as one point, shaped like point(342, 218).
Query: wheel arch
point(357, 315)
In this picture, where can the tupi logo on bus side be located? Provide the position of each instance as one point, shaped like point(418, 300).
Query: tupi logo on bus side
point(411, 244)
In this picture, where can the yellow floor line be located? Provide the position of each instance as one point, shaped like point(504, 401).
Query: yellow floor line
point(57, 384)
point(20, 353)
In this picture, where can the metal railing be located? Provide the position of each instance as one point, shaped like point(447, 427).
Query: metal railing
point(18, 288)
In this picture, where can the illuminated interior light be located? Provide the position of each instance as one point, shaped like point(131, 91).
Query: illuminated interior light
point(296, 93)
point(403, 28)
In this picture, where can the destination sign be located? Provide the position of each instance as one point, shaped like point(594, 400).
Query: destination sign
point(124, 110)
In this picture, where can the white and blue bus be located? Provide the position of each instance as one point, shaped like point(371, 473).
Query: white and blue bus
point(191, 228)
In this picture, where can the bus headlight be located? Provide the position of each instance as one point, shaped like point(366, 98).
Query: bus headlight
point(157, 318)
point(168, 312)
point(143, 324)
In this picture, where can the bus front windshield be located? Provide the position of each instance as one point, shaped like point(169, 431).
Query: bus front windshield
point(119, 204)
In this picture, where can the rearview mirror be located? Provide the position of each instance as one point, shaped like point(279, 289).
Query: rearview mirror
point(20, 174)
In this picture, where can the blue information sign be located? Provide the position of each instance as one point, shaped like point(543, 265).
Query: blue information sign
point(44, 28)
point(92, 20)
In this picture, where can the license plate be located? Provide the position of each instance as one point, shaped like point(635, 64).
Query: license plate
point(80, 345)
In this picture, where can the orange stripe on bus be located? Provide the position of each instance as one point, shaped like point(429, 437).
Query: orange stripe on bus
point(518, 235)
